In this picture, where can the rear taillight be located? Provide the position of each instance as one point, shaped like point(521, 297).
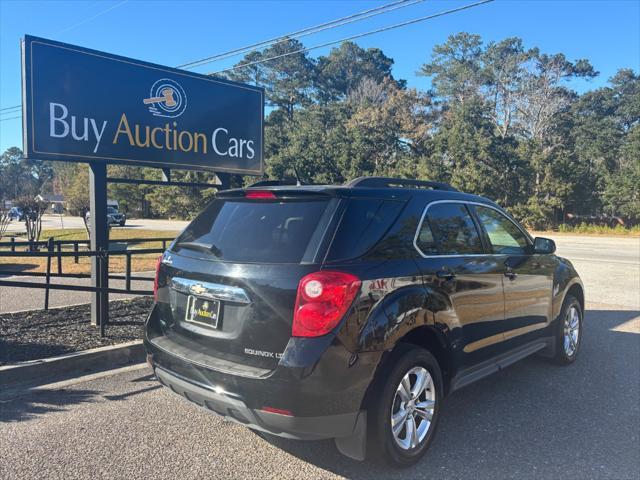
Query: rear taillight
point(323, 299)
point(155, 280)
point(260, 194)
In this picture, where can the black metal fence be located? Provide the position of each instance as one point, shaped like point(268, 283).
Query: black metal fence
point(58, 249)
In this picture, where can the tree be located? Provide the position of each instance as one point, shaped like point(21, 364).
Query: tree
point(343, 70)
point(4, 220)
point(605, 123)
point(397, 125)
point(22, 176)
point(181, 202)
point(317, 146)
point(500, 120)
point(33, 210)
point(504, 65)
point(622, 192)
point(506, 129)
point(456, 68)
point(287, 77)
point(543, 95)
point(132, 199)
point(77, 194)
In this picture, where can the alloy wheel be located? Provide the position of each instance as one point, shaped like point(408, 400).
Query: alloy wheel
point(413, 408)
point(571, 331)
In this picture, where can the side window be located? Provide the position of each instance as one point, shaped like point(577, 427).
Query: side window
point(448, 229)
point(505, 237)
point(364, 223)
point(425, 241)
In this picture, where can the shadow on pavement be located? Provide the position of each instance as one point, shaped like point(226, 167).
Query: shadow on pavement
point(38, 403)
point(122, 396)
point(534, 419)
point(9, 269)
point(14, 351)
point(26, 404)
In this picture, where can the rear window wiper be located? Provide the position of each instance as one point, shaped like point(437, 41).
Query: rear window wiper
point(203, 247)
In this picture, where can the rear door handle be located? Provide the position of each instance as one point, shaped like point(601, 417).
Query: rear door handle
point(511, 275)
point(445, 275)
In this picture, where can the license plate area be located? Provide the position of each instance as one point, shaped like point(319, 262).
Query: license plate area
point(203, 311)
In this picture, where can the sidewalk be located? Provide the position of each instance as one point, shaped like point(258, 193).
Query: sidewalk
point(16, 299)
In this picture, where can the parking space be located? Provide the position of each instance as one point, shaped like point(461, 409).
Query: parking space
point(533, 420)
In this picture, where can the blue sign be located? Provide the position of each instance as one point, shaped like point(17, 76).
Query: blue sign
point(84, 105)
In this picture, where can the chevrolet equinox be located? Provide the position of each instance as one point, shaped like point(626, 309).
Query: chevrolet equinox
point(350, 312)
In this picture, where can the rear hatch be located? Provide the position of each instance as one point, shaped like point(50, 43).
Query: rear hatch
point(229, 281)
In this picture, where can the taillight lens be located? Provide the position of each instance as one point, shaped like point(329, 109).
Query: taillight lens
point(155, 280)
point(323, 299)
point(260, 194)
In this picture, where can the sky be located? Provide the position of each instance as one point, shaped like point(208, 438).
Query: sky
point(176, 32)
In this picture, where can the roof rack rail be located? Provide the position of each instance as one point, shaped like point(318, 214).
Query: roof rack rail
point(389, 182)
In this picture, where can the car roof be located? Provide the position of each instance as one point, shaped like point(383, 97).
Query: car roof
point(396, 193)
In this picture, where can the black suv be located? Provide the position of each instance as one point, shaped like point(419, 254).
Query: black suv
point(349, 312)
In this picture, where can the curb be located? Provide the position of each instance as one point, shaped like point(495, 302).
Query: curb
point(46, 370)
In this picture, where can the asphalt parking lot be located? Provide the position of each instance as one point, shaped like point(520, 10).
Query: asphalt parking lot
point(532, 420)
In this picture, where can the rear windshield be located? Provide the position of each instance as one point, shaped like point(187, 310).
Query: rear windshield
point(258, 231)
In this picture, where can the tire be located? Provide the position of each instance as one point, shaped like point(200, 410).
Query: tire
point(568, 331)
point(398, 449)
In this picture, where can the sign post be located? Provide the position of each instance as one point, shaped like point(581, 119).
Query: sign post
point(99, 242)
point(82, 105)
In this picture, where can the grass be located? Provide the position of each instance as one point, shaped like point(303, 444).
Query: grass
point(139, 263)
point(586, 229)
point(114, 234)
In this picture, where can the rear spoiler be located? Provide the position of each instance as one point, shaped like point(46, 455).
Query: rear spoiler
point(282, 192)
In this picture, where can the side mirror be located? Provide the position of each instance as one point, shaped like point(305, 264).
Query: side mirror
point(543, 245)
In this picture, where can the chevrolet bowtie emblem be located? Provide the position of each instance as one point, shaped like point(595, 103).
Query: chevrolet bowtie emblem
point(197, 289)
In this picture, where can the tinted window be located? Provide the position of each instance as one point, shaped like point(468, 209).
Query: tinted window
point(263, 232)
point(448, 229)
point(363, 224)
point(425, 241)
point(505, 237)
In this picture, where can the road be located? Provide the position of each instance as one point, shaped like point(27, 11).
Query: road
point(57, 221)
point(533, 420)
point(608, 266)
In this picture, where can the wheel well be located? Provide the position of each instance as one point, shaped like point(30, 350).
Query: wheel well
point(423, 337)
point(576, 291)
point(426, 337)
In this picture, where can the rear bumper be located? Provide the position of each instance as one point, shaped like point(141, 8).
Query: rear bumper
point(233, 408)
point(317, 382)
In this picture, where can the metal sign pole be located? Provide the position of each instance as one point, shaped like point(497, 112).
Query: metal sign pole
point(225, 180)
point(99, 242)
